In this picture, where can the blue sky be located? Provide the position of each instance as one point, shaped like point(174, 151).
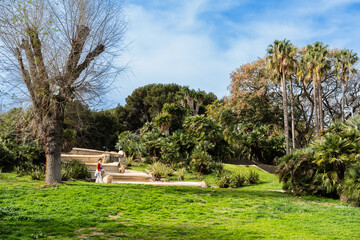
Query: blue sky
point(198, 43)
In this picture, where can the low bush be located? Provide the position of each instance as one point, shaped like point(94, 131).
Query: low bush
point(224, 180)
point(74, 169)
point(237, 179)
point(181, 174)
point(350, 191)
point(38, 173)
point(199, 176)
point(158, 169)
point(328, 167)
point(253, 177)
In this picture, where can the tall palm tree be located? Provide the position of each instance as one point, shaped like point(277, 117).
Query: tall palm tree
point(281, 63)
point(344, 62)
point(315, 64)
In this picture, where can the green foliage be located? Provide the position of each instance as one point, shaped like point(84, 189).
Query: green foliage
point(69, 139)
point(38, 173)
point(6, 158)
point(329, 167)
point(237, 179)
point(90, 129)
point(181, 174)
point(252, 177)
point(198, 144)
point(17, 144)
point(169, 212)
point(262, 144)
point(200, 161)
point(130, 144)
point(74, 169)
point(246, 137)
point(159, 169)
point(350, 191)
point(146, 102)
point(296, 170)
point(225, 180)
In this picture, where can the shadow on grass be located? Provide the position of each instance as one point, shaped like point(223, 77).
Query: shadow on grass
point(118, 230)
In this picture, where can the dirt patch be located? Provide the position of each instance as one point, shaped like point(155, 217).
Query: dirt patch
point(95, 232)
point(115, 216)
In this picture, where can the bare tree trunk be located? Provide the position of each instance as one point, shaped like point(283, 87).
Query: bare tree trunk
point(55, 52)
point(198, 104)
point(317, 127)
point(53, 142)
point(292, 115)
point(343, 101)
point(285, 110)
point(321, 117)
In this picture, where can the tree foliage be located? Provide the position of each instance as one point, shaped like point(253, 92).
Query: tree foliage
point(60, 50)
point(327, 167)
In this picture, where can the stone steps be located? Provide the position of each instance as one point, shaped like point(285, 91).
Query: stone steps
point(108, 167)
point(182, 184)
point(130, 177)
point(112, 169)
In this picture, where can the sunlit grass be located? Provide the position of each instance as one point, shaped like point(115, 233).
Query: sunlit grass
point(80, 210)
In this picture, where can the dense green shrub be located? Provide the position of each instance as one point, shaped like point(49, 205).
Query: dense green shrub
point(253, 136)
point(38, 172)
point(74, 169)
point(224, 180)
point(350, 191)
point(200, 161)
point(237, 179)
point(6, 158)
point(197, 145)
point(130, 144)
point(328, 167)
point(253, 177)
point(296, 170)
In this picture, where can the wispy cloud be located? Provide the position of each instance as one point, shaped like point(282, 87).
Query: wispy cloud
point(199, 43)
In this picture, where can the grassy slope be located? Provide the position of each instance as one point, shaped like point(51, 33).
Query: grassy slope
point(79, 210)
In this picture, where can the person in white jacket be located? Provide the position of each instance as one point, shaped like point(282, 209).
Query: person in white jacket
point(99, 169)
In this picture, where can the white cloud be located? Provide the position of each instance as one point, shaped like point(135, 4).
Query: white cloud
point(175, 45)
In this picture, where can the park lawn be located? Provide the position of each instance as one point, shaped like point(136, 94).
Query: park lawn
point(84, 210)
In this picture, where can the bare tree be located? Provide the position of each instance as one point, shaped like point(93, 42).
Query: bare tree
point(61, 50)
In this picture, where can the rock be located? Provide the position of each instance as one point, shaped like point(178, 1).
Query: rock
point(203, 184)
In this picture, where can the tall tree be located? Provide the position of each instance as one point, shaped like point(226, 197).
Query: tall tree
point(281, 62)
point(61, 50)
point(316, 63)
point(344, 65)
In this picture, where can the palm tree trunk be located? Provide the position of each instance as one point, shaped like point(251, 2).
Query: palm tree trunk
point(285, 110)
point(292, 115)
point(343, 101)
point(321, 117)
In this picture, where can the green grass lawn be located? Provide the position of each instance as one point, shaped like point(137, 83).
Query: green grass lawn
point(83, 210)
